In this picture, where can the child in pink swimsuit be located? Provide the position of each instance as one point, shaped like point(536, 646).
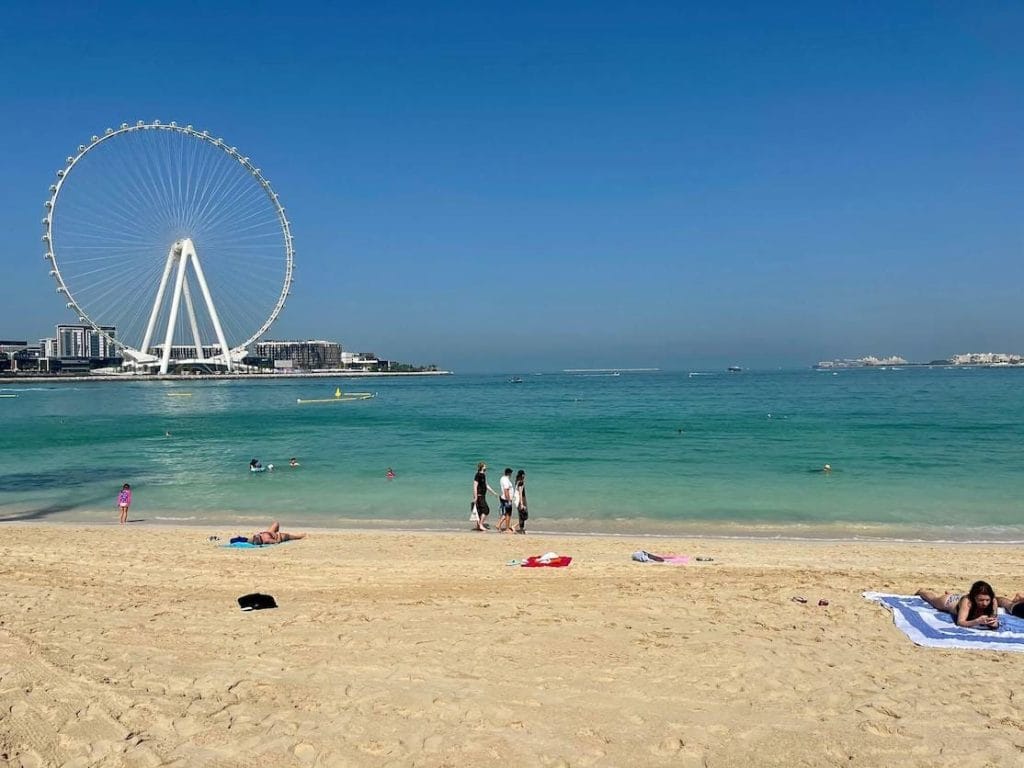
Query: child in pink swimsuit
point(124, 500)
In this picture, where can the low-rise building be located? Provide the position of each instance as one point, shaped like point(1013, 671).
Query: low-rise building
point(303, 355)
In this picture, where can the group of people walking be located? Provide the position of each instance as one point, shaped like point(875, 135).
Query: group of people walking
point(977, 608)
point(512, 496)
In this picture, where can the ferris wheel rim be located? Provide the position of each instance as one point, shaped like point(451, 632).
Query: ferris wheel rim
point(187, 130)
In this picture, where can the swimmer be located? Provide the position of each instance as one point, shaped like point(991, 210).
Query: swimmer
point(827, 468)
point(293, 462)
point(390, 474)
point(255, 466)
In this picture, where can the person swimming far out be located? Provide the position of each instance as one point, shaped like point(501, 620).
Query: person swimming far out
point(293, 462)
point(390, 474)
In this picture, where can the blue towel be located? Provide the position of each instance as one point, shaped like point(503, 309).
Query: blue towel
point(247, 545)
point(935, 629)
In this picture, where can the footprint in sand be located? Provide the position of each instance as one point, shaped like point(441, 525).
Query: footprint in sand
point(668, 746)
point(304, 753)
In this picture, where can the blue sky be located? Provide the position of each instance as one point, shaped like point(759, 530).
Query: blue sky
point(533, 186)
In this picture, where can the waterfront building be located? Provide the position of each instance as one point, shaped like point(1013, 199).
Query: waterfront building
point(301, 355)
point(186, 351)
point(986, 358)
point(84, 341)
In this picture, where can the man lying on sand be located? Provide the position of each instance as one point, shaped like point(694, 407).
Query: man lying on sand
point(274, 535)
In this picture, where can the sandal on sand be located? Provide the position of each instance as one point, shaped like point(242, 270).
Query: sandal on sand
point(798, 599)
point(823, 601)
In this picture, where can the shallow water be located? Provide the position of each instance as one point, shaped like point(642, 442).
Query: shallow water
point(916, 452)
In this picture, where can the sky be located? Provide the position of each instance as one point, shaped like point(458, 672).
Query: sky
point(537, 186)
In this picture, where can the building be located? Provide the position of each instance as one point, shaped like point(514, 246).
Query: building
point(186, 351)
point(84, 341)
point(301, 355)
point(364, 361)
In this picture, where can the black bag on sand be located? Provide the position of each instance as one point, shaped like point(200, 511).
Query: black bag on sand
point(256, 602)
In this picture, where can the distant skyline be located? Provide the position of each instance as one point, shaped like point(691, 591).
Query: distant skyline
point(574, 185)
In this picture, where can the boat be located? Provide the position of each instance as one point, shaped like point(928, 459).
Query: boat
point(516, 380)
point(340, 397)
point(734, 369)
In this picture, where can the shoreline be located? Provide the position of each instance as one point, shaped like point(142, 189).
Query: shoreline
point(639, 529)
point(31, 378)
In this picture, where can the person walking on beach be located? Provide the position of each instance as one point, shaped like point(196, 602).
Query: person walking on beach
point(520, 501)
point(124, 500)
point(975, 609)
point(480, 489)
point(507, 492)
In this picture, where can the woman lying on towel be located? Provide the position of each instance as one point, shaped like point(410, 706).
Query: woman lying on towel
point(274, 535)
point(975, 609)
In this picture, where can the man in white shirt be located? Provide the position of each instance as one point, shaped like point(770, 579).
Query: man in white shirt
point(506, 493)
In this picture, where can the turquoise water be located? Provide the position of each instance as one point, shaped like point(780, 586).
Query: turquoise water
point(916, 451)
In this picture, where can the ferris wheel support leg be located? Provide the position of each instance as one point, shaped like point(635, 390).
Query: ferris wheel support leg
point(225, 351)
point(192, 321)
point(173, 317)
point(159, 301)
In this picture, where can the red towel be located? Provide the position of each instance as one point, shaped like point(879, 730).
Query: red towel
point(556, 562)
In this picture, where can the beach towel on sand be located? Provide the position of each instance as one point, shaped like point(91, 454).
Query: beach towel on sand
point(926, 626)
point(249, 545)
point(547, 560)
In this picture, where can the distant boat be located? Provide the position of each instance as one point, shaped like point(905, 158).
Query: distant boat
point(516, 380)
point(734, 369)
point(340, 397)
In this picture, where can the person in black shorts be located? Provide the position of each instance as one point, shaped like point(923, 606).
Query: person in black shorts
point(480, 489)
point(520, 500)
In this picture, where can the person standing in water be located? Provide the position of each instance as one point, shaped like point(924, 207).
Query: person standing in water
point(480, 489)
point(507, 491)
point(520, 501)
point(124, 500)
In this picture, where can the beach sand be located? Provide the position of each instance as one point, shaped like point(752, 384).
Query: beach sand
point(126, 647)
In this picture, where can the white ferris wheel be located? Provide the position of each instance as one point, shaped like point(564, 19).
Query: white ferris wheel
point(169, 242)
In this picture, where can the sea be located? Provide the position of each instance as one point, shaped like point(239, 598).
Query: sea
point(917, 453)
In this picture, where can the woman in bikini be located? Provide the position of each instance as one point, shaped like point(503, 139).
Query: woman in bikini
point(274, 535)
point(975, 609)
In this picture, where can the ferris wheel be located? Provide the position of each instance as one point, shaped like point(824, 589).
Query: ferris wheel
point(169, 242)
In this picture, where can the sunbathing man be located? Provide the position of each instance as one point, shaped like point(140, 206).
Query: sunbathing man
point(274, 535)
point(1013, 605)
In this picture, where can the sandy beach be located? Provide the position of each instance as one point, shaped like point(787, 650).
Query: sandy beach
point(126, 647)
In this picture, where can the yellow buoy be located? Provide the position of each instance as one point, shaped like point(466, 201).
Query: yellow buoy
point(337, 392)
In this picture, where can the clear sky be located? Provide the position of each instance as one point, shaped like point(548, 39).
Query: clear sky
point(534, 186)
